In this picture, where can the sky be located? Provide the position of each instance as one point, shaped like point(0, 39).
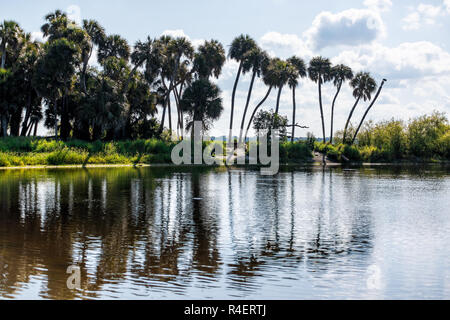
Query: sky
point(406, 42)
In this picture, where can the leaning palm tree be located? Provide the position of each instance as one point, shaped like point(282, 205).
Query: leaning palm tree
point(319, 72)
point(9, 35)
point(363, 86)
point(113, 46)
point(298, 71)
point(339, 75)
point(270, 79)
point(254, 61)
point(238, 50)
point(368, 109)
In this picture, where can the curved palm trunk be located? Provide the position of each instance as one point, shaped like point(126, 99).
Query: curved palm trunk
point(35, 128)
point(293, 115)
point(278, 100)
point(348, 120)
point(332, 113)
point(169, 114)
point(233, 96)
point(246, 106)
point(367, 111)
point(256, 109)
point(321, 115)
point(56, 119)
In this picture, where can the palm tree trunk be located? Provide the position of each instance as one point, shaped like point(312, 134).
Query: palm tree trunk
point(367, 111)
point(348, 120)
point(4, 124)
point(332, 113)
point(278, 100)
point(35, 128)
point(56, 119)
point(256, 109)
point(27, 117)
point(321, 115)
point(3, 55)
point(233, 96)
point(169, 114)
point(293, 115)
point(246, 106)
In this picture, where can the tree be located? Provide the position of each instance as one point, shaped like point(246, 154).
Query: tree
point(239, 48)
point(266, 121)
point(297, 70)
point(255, 60)
point(202, 102)
point(367, 110)
point(54, 76)
point(339, 75)
point(9, 36)
point(363, 86)
point(270, 80)
point(97, 37)
point(319, 72)
point(209, 59)
point(113, 46)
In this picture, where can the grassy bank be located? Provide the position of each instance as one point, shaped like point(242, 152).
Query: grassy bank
point(17, 152)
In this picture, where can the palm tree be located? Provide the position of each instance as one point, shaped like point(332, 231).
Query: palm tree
point(254, 61)
point(270, 79)
point(282, 71)
point(298, 70)
point(113, 46)
point(97, 36)
point(209, 59)
point(368, 109)
point(9, 34)
point(238, 50)
point(319, 72)
point(363, 86)
point(202, 102)
point(339, 75)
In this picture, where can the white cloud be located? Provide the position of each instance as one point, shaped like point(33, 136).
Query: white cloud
point(37, 36)
point(424, 14)
point(284, 45)
point(410, 60)
point(179, 33)
point(350, 27)
point(379, 5)
point(74, 13)
point(447, 5)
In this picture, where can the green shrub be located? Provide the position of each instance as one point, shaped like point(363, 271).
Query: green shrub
point(67, 157)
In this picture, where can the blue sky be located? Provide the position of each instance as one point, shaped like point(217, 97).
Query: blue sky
point(406, 42)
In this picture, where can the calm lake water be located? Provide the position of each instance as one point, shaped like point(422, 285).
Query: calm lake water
point(148, 233)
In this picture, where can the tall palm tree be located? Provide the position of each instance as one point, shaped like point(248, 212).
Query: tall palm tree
point(270, 79)
point(319, 72)
point(368, 109)
point(339, 75)
point(238, 50)
point(363, 86)
point(9, 34)
point(254, 62)
point(209, 59)
point(97, 36)
point(282, 71)
point(298, 70)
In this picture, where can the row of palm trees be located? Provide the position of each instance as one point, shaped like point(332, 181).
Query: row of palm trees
point(119, 99)
point(277, 73)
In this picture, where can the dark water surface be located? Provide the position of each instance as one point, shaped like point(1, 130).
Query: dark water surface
point(159, 233)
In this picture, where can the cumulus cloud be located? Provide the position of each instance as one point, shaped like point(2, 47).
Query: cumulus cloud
point(284, 45)
point(179, 33)
point(424, 14)
point(410, 60)
point(379, 5)
point(37, 36)
point(350, 27)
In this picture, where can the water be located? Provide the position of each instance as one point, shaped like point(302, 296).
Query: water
point(308, 233)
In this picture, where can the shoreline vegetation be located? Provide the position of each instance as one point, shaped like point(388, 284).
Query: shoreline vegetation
point(423, 140)
point(119, 110)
